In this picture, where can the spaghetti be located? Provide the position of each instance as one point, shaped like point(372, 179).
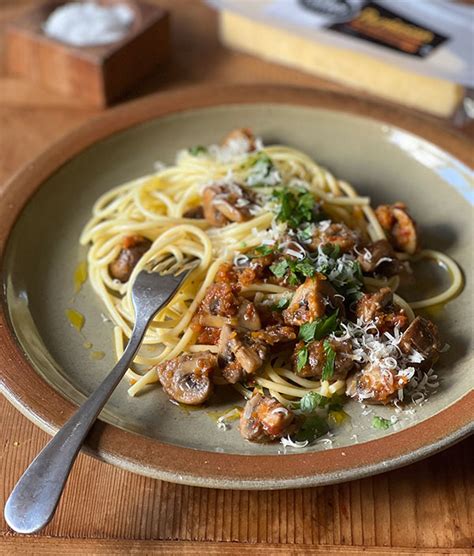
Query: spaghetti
point(259, 202)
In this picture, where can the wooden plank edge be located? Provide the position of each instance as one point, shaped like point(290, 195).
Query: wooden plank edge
point(12, 544)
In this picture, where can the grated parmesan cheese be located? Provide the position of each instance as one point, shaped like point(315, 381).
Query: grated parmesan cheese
point(234, 149)
point(325, 442)
point(287, 442)
point(293, 249)
point(241, 260)
point(370, 348)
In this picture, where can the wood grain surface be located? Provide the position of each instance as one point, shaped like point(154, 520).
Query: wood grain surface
point(426, 507)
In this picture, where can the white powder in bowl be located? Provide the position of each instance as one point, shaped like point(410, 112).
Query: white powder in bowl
point(89, 23)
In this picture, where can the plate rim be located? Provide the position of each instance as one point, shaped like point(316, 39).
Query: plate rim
point(48, 409)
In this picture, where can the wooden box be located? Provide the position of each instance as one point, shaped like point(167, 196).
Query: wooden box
point(97, 75)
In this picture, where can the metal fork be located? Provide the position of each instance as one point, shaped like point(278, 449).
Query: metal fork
point(34, 499)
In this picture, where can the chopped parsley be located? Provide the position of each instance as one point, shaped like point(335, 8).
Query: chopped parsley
point(197, 150)
point(319, 328)
point(312, 427)
point(332, 250)
point(312, 401)
point(301, 358)
point(304, 267)
point(328, 369)
point(307, 331)
point(279, 268)
point(295, 207)
point(296, 271)
point(319, 413)
point(262, 251)
point(381, 423)
point(305, 234)
point(327, 256)
point(342, 271)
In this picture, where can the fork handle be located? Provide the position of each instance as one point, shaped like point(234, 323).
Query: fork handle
point(34, 499)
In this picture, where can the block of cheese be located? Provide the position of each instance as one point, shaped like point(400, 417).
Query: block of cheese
point(436, 96)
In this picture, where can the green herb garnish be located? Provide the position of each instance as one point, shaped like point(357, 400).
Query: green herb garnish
point(312, 401)
point(381, 423)
point(328, 369)
point(295, 208)
point(279, 268)
point(332, 250)
point(308, 330)
point(301, 358)
point(262, 171)
point(304, 267)
point(197, 150)
point(319, 328)
point(306, 233)
point(262, 251)
point(343, 272)
point(296, 271)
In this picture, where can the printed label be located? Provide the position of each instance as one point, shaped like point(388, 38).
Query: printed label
point(384, 27)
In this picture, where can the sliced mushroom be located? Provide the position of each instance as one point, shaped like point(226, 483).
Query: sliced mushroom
point(248, 316)
point(265, 419)
point(336, 234)
point(317, 358)
point(219, 300)
point(422, 336)
point(373, 385)
point(310, 300)
point(249, 353)
point(378, 308)
point(187, 378)
point(230, 368)
point(379, 257)
point(371, 304)
point(224, 203)
point(376, 385)
point(400, 227)
point(239, 354)
point(134, 247)
point(269, 315)
point(275, 334)
point(257, 270)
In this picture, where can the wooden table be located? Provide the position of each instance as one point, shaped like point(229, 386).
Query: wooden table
point(426, 506)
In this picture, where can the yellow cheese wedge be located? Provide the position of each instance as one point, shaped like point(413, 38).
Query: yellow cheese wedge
point(437, 96)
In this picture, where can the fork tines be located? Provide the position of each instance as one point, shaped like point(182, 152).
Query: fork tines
point(171, 265)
